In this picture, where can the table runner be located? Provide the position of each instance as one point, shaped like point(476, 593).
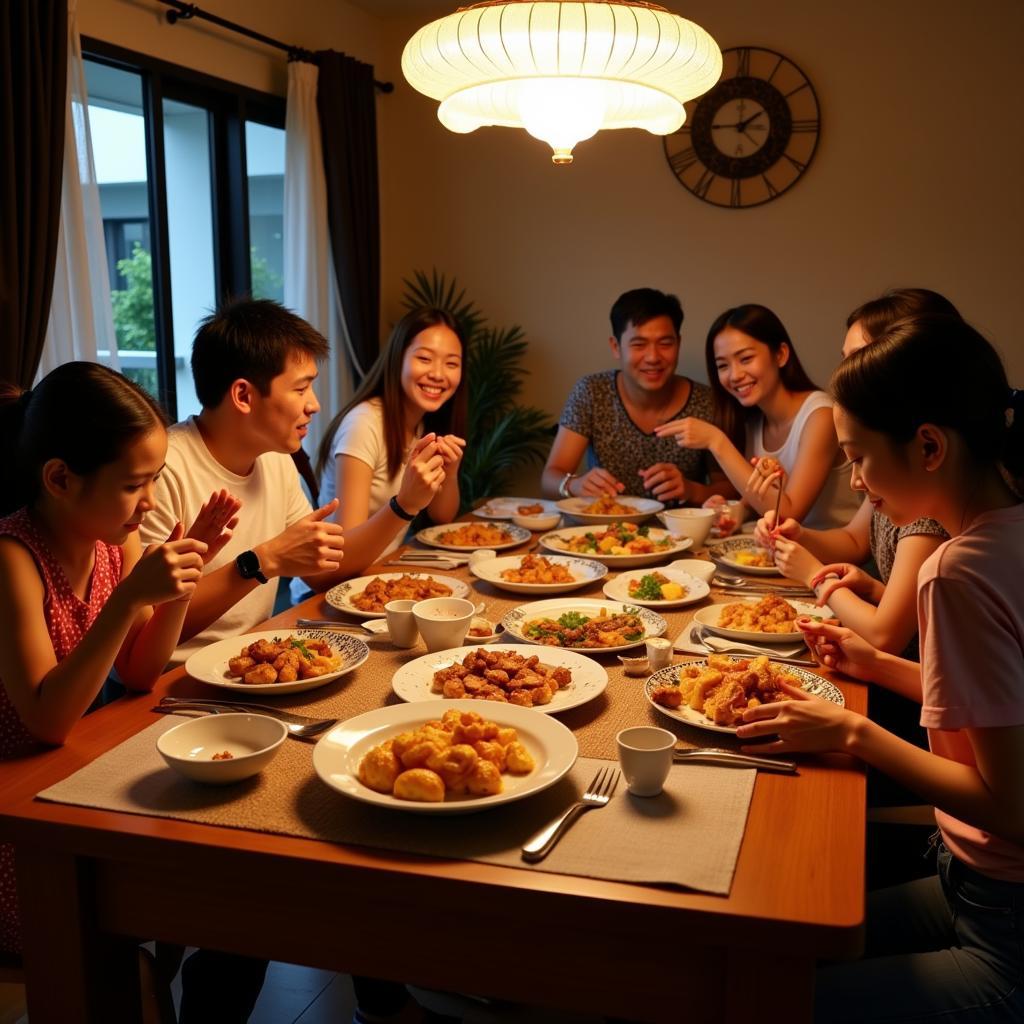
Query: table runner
point(689, 836)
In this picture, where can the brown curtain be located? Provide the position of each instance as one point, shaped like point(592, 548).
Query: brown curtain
point(33, 84)
point(346, 103)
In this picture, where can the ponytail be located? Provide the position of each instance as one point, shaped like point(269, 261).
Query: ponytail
point(82, 413)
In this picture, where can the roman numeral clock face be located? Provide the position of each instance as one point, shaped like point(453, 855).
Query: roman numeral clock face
point(752, 136)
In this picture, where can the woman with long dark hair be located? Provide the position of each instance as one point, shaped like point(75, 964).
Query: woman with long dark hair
point(769, 412)
point(394, 450)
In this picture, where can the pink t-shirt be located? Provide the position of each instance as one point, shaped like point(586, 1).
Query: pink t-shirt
point(970, 607)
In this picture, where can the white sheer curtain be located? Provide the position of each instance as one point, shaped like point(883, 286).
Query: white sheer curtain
point(309, 285)
point(81, 318)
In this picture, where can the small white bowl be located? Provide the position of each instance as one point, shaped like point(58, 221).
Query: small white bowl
point(252, 740)
point(689, 522)
point(443, 621)
point(698, 567)
point(547, 521)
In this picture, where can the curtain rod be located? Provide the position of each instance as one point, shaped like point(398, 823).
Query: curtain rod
point(185, 11)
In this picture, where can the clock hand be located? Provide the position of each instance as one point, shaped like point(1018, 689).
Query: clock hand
point(736, 125)
point(742, 125)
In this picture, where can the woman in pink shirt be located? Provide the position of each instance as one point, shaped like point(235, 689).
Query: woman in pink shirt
point(932, 428)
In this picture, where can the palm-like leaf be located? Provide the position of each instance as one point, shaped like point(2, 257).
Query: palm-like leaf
point(440, 293)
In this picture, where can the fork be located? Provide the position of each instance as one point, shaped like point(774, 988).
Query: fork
point(597, 794)
point(299, 726)
point(719, 645)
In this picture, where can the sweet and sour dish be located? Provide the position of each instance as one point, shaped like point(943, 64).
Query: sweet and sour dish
point(475, 535)
point(760, 558)
point(606, 505)
point(502, 676)
point(772, 614)
point(574, 629)
point(724, 689)
point(283, 661)
point(538, 569)
point(460, 753)
point(616, 539)
point(406, 588)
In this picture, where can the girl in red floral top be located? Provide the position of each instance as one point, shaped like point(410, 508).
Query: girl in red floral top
point(78, 595)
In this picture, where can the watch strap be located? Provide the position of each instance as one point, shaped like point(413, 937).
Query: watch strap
point(248, 565)
point(399, 511)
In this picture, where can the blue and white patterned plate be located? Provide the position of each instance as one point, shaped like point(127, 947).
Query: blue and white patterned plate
point(210, 665)
point(515, 621)
point(724, 553)
point(583, 571)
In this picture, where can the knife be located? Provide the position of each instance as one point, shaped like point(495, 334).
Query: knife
point(719, 756)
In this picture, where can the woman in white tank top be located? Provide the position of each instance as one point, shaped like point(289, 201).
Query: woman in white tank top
point(766, 407)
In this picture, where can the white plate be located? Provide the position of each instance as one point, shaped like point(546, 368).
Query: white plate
point(709, 617)
point(696, 589)
point(515, 620)
point(431, 536)
point(413, 680)
point(550, 541)
point(336, 757)
point(210, 665)
point(340, 597)
point(724, 553)
point(643, 508)
point(585, 570)
point(506, 508)
point(808, 680)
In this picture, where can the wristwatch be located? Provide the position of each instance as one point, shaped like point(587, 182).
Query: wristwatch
point(563, 487)
point(399, 511)
point(248, 564)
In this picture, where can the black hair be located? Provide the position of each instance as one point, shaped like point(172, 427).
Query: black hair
point(936, 369)
point(250, 339)
point(385, 381)
point(638, 306)
point(876, 315)
point(761, 324)
point(82, 413)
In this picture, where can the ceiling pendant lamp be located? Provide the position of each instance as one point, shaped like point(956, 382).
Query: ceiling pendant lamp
point(562, 69)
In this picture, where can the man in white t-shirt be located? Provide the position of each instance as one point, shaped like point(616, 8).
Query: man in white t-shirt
point(254, 363)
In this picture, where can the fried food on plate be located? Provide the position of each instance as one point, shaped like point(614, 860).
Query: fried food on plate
point(475, 535)
point(283, 660)
point(406, 588)
point(772, 614)
point(502, 676)
point(538, 569)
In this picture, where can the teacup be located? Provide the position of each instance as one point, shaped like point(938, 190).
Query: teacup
point(645, 753)
point(402, 623)
point(689, 522)
point(443, 621)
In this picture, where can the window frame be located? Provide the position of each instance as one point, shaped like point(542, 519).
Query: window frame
point(229, 106)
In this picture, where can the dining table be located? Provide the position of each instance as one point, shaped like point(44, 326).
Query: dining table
point(93, 882)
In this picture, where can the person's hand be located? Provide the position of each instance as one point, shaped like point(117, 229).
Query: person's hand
point(795, 561)
point(595, 483)
point(690, 432)
point(311, 545)
point(839, 648)
point(839, 575)
point(215, 522)
point(166, 572)
point(766, 532)
point(423, 475)
point(762, 489)
point(665, 481)
point(802, 724)
point(452, 449)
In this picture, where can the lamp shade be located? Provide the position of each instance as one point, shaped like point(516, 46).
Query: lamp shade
point(562, 69)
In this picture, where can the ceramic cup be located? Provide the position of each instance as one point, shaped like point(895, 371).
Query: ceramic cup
point(443, 621)
point(645, 753)
point(659, 652)
point(689, 522)
point(401, 623)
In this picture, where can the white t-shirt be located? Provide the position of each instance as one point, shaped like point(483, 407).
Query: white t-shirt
point(837, 502)
point(272, 499)
point(360, 435)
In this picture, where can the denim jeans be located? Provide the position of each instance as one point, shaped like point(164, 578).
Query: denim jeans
point(947, 949)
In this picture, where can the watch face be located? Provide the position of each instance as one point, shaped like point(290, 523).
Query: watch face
point(752, 136)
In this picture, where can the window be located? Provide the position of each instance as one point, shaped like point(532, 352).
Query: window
point(191, 180)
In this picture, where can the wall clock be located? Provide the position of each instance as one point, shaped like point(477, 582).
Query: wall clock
point(752, 136)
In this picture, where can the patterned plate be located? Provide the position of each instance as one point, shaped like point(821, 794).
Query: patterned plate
point(341, 596)
point(724, 553)
point(432, 536)
point(516, 620)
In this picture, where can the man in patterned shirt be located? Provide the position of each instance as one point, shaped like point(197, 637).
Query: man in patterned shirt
point(610, 416)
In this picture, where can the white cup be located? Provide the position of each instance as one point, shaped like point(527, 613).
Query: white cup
point(698, 567)
point(401, 623)
point(443, 621)
point(689, 522)
point(481, 555)
point(659, 652)
point(645, 753)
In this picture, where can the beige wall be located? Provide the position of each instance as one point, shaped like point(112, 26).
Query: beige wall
point(917, 179)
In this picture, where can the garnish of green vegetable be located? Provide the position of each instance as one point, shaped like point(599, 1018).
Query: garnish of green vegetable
point(301, 648)
point(643, 530)
point(573, 620)
point(648, 588)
